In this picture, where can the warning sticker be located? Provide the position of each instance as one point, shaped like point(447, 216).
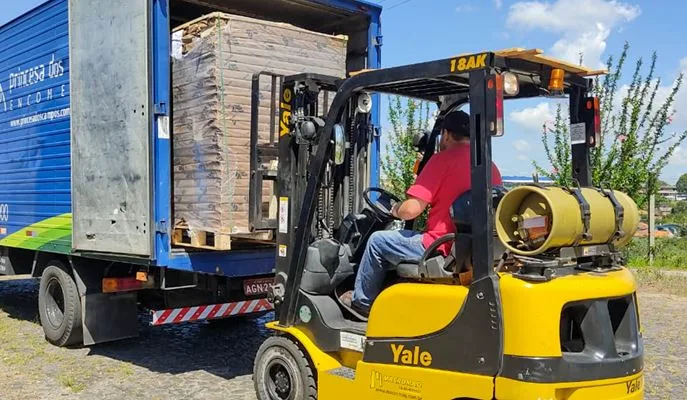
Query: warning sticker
point(578, 133)
point(163, 127)
point(352, 341)
point(397, 386)
point(283, 215)
point(282, 250)
point(590, 251)
point(534, 222)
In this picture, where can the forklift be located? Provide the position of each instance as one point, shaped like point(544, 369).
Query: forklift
point(515, 311)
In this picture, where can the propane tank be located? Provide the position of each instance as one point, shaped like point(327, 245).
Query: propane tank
point(531, 220)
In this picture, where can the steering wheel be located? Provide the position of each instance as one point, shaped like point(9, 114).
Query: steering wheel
point(384, 203)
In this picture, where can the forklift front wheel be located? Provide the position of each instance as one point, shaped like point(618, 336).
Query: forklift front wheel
point(283, 372)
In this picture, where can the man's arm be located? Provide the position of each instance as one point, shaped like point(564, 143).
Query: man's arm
point(409, 209)
point(421, 194)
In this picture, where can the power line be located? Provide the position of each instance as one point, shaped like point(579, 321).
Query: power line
point(398, 4)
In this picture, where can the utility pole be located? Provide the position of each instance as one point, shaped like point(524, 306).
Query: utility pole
point(652, 221)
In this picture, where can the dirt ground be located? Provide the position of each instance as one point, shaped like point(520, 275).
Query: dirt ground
point(214, 361)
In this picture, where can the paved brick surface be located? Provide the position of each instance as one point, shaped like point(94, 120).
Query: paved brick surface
point(214, 361)
point(191, 361)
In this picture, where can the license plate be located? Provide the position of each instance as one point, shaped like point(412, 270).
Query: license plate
point(254, 287)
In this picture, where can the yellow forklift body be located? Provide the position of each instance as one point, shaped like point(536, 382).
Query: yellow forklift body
point(532, 311)
point(386, 381)
point(625, 388)
point(531, 316)
point(414, 309)
point(393, 382)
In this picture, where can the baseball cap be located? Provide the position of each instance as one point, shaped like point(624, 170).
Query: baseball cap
point(457, 122)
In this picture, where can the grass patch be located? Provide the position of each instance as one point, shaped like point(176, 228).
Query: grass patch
point(121, 370)
point(670, 253)
point(4, 326)
point(18, 350)
point(54, 357)
point(71, 382)
point(17, 359)
point(657, 280)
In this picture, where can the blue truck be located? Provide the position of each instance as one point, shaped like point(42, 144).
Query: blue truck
point(85, 117)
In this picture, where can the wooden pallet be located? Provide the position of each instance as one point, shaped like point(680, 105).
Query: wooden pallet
point(200, 239)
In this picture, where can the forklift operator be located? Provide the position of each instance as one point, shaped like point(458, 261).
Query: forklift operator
point(443, 179)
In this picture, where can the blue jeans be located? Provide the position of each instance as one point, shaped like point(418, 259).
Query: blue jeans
point(383, 248)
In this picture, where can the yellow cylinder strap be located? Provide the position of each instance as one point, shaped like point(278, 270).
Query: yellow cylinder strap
point(619, 212)
point(584, 212)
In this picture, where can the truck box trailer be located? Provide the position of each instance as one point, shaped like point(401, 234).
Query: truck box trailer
point(86, 161)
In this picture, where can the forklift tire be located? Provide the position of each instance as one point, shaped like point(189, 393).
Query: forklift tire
point(59, 306)
point(283, 372)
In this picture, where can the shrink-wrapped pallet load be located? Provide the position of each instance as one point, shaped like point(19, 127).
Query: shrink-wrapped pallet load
point(215, 58)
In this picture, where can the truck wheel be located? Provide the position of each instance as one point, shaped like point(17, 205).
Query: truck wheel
point(59, 306)
point(282, 372)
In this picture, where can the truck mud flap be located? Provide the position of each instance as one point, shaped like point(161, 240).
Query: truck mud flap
point(109, 317)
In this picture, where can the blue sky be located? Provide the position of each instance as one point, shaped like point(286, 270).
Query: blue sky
point(415, 31)
point(419, 30)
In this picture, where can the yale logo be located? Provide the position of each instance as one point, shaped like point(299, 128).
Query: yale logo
point(402, 355)
point(634, 385)
point(285, 106)
point(468, 63)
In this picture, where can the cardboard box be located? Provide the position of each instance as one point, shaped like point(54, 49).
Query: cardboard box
point(215, 58)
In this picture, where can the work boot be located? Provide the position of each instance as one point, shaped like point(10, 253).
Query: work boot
point(360, 312)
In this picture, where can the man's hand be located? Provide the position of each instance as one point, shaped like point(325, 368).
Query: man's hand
point(408, 209)
point(394, 210)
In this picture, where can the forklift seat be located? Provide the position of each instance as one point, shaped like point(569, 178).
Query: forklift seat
point(433, 265)
point(327, 264)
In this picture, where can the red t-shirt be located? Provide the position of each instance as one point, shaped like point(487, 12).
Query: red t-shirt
point(443, 179)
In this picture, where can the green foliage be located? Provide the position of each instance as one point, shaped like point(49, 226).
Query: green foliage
point(680, 207)
point(678, 215)
point(668, 253)
point(662, 200)
point(408, 117)
point(560, 155)
point(635, 143)
point(681, 184)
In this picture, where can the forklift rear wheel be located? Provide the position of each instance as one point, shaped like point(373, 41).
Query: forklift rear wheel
point(282, 371)
point(59, 306)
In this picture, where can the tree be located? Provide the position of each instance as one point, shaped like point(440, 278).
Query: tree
point(680, 207)
point(678, 215)
point(408, 117)
point(635, 140)
point(681, 184)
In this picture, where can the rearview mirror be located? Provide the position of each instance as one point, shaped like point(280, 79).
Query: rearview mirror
point(339, 144)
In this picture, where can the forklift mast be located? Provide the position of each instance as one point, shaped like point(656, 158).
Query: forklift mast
point(303, 105)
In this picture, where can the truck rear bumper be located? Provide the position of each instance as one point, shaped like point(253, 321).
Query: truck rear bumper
point(210, 311)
